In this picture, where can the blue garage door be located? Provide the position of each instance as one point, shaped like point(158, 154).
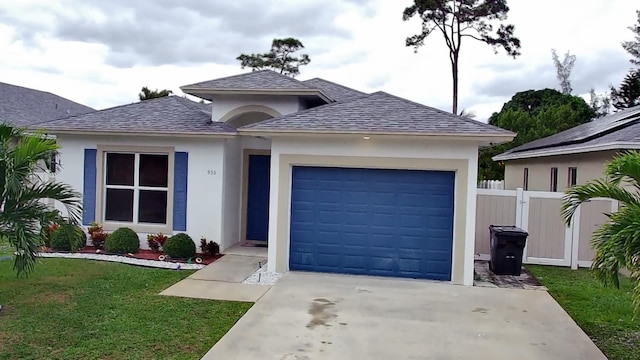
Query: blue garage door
point(372, 222)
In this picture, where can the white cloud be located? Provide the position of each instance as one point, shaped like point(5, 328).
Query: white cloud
point(90, 61)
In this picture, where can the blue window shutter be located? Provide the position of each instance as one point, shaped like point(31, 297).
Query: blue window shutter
point(180, 170)
point(89, 187)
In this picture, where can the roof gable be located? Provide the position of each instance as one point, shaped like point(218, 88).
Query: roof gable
point(256, 80)
point(380, 113)
point(22, 106)
point(165, 115)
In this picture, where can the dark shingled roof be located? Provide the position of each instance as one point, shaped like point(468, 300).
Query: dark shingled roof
point(335, 91)
point(620, 127)
point(22, 106)
point(377, 113)
point(166, 115)
point(256, 80)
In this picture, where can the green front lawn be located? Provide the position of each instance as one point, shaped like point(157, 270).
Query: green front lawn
point(5, 248)
point(605, 314)
point(80, 309)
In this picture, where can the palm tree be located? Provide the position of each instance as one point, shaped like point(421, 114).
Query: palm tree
point(23, 214)
point(617, 242)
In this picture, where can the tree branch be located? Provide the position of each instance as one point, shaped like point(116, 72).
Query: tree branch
point(473, 37)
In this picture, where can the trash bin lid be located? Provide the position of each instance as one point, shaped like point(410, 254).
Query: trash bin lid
point(508, 230)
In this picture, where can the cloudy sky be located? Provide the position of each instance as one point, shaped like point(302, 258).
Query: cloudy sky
point(100, 53)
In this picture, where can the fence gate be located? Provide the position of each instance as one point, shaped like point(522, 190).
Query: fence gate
point(550, 241)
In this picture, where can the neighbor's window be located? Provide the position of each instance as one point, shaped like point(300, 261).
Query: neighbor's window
point(572, 178)
point(554, 179)
point(136, 187)
point(525, 180)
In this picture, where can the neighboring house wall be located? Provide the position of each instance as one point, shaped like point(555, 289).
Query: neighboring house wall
point(226, 107)
point(589, 166)
point(205, 178)
point(460, 157)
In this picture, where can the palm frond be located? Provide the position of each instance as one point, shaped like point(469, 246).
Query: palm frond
point(56, 191)
point(24, 214)
point(595, 189)
point(625, 167)
point(617, 242)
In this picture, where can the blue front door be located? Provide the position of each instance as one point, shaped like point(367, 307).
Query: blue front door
point(372, 222)
point(258, 197)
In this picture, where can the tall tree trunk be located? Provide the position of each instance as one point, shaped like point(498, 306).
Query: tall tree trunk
point(454, 73)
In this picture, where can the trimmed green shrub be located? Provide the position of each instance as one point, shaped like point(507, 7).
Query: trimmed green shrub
point(122, 241)
point(68, 237)
point(180, 246)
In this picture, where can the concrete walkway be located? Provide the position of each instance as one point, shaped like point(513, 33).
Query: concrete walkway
point(222, 280)
point(320, 316)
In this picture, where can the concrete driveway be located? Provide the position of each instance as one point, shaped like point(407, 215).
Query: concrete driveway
point(320, 316)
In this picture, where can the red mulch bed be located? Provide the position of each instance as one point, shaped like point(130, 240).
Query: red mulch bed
point(153, 255)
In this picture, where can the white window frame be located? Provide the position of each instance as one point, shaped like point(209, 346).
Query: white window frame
point(573, 170)
point(102, 186)
point(553, 183)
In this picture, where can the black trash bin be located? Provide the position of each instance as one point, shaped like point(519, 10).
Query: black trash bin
point(507, 245)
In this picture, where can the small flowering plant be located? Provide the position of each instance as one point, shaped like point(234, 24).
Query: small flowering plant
point(47, 231)
point(98, 235)
point(210, 248)
point(156, 241)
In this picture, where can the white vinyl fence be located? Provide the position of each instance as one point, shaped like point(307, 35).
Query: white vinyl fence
point(550, 241)
point(491, 184)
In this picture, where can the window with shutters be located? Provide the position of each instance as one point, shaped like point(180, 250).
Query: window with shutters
point(137, 189)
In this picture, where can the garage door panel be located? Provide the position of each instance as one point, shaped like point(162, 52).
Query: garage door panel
point(372, 221)
point(357, 219)
point(355, 228)
point(409, 265)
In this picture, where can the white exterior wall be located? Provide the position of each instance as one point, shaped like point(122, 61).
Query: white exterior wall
point(249, 142)
point(470, 243)
point(376, 147)
point(224, 104)
point(230, 220)
point(204, 194)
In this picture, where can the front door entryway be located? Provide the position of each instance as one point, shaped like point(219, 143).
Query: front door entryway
point(257, 226)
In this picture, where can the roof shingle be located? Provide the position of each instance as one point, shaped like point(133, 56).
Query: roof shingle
point(335, 91)
point(377, 113)
point(22, 106)
point(166, 115)
point(255, 80)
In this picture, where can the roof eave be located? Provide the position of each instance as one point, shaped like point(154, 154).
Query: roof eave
point(494, 138)
point(295, 92)
point(139, 133)
point(576, 150)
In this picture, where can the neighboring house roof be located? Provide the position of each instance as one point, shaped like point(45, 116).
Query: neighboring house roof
point(377, 113)
point(165, 115)
point(337, 92)
point(616, 131)
point(21, 106)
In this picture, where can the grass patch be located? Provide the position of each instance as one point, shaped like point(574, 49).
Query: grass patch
point(5, 248)
point(82, 309)
point(605, 314)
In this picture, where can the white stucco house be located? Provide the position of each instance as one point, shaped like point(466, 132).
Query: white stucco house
point(330, 178)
